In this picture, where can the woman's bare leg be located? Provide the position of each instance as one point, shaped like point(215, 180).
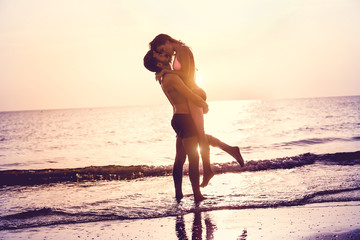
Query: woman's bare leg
point(198, 118)
point(234, 151)
point(206, 140)
point(205, 156)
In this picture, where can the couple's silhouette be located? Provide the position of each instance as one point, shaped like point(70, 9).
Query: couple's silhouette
point(189, 104)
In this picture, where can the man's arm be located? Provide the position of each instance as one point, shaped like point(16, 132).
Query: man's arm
point(174, 81)
point(165, 71)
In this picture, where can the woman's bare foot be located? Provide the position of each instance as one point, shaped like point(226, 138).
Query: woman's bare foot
point(206, 178)
point(237, 155)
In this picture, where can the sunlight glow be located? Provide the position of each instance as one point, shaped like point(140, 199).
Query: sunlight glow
point(250, 51)
point(199, 80)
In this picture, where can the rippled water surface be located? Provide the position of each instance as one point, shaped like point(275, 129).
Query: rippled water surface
point(143, 135)
point(289, 148)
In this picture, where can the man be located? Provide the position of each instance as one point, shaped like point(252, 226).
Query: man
point(178, 95)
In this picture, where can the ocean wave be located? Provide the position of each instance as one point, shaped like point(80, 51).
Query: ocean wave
point(325, 196)
point(313, 141)
point(331, 195)
point(114, 172)
point(356, 138)
point(48, 216)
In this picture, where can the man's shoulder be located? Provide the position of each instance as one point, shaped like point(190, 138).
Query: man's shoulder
point(170, 79)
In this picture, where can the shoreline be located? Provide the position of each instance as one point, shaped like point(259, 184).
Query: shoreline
point(334, 220)
point(118, 172)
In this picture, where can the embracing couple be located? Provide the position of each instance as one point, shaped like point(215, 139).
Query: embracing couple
point(174, 65)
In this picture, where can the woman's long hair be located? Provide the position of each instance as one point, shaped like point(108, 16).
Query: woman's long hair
point(161, 40)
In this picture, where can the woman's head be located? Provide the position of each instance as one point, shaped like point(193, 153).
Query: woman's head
point(162, 43)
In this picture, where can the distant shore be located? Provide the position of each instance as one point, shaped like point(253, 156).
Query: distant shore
point(336, 220)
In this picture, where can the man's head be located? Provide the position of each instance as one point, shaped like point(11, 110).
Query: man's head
point(155, 62)
point(151, 63)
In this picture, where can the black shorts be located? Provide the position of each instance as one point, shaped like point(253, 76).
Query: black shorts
point(183, 125)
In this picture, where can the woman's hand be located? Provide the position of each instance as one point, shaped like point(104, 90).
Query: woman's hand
point(159, 75)
point(205, 108)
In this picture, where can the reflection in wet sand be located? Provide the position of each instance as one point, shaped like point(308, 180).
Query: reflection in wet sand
point(197, 228)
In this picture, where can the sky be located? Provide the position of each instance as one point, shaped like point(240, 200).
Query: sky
point(89, 53)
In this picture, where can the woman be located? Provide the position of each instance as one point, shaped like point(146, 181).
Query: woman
point(184, 65)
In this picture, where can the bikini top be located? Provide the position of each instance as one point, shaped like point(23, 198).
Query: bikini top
point(176, 64)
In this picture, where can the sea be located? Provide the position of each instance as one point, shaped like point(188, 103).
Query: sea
point(100, 164)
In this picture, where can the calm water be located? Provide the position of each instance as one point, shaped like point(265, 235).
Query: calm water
point(264, 130)
point(143, 135)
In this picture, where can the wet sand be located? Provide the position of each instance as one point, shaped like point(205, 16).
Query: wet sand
point(339, 220)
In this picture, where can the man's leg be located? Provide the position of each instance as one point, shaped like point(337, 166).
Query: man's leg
point(180, 158)
point(190, 145)
point(197, 226)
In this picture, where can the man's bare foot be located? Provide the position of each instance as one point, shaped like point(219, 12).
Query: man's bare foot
point(199, 197)
point(179, 197)
point(237, 155)
point(206, 178)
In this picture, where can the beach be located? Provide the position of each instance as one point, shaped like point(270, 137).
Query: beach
point(338, 220)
